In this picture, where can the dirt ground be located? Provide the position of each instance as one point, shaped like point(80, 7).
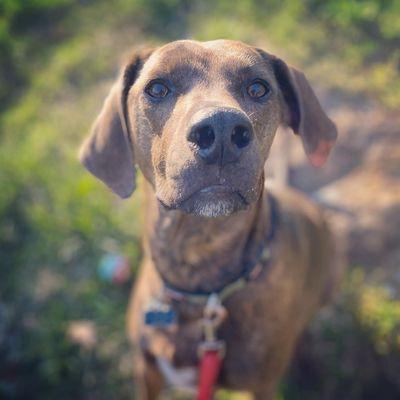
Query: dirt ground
point(359, 186)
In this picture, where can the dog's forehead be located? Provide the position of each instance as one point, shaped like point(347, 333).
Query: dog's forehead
point(203, 57)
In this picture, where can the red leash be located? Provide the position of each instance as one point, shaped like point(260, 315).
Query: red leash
point(211, 351)
point(210, 366)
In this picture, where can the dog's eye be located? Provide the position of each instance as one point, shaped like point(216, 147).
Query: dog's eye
point(157, 90)
point(258, 89)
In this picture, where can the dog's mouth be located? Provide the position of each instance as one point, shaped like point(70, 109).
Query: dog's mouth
point(211, 201)
point(218, 190)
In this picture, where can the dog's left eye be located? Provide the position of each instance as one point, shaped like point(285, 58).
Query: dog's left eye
point(258, 89)
point(157, 90)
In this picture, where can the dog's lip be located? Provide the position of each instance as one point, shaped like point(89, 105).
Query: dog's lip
point(211, 190)
point(219, 188)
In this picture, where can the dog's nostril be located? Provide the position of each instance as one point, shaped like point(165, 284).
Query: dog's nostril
point(204, 137)
point(241, 136)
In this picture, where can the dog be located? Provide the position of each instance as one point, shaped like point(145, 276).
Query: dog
point(198, 120)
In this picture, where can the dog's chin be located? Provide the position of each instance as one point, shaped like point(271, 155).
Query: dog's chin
point(213, 201)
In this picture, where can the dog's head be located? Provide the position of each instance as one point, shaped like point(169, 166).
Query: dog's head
point(199, 120)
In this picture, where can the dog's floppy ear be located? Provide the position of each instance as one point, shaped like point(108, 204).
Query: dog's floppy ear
point(107, 153)
point(304, 114)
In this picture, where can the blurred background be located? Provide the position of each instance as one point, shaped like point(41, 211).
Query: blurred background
point(69, 249)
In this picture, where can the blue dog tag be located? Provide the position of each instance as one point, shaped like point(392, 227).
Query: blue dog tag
point(159, 314)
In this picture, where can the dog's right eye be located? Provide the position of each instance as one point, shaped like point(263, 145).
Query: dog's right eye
point(157, 90)
point(258, 89)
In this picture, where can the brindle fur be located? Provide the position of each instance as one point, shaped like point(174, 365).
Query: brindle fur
point(198, 241)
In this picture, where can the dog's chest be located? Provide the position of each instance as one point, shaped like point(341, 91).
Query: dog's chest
point(243, 332)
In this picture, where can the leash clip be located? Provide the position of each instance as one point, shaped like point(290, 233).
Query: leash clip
point(214, 314)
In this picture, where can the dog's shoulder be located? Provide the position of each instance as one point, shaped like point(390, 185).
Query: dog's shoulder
point(294, 205)
point(303, 224)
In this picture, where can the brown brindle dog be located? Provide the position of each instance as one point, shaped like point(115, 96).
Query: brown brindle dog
point(199, 119)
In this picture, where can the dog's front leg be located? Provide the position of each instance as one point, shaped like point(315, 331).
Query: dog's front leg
point(265, 393)
point(148, 380)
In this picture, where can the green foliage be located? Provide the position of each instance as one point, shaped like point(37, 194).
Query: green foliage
point(355, 43)
point(378, 313)
point(54, 216)
point(348, 38)
point(351, 350)
point(27, 30)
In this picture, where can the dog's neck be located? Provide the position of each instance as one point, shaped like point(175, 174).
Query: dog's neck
point(203, 254)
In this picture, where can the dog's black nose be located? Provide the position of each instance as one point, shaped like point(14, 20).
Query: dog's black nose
point(220, 135)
